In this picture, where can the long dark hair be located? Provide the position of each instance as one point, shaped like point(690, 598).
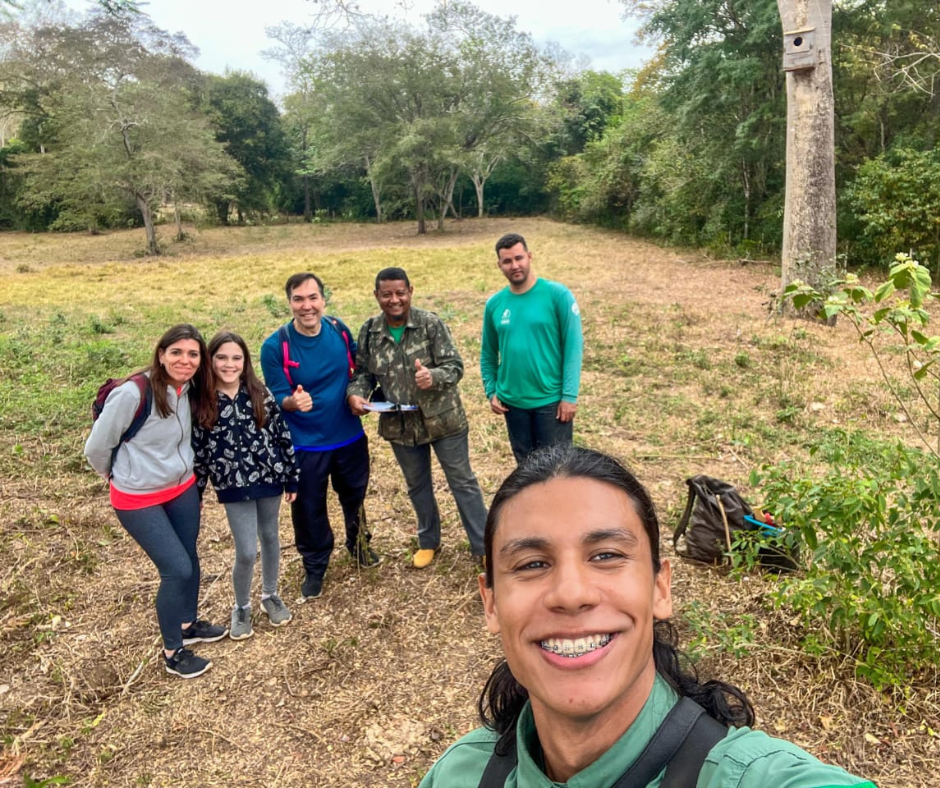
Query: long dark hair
point(257, 393)
point(201, 386)
point(503, 696)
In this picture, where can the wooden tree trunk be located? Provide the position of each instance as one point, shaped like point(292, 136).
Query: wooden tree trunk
point(376, 191)
point(448, 201)
point(809, 222)
point(304, 148)
point(308, 211)
point(147, 214)
point(419, 212)
point(478, 182)
point(180, 235)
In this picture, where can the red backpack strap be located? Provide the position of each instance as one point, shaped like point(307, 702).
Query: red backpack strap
point(344, 333)
point(284, 337)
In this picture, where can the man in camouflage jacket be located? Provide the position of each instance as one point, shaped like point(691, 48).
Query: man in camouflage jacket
point(410, 355)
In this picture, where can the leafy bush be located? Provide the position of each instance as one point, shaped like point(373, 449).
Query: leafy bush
point(897, 198)
point(869, 524)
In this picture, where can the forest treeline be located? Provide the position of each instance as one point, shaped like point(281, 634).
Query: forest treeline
point(107, 123)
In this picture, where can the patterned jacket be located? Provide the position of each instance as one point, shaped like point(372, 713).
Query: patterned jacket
point(243, 462)
point(380, 361)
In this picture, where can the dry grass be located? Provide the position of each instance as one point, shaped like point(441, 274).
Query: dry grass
point(684, 373)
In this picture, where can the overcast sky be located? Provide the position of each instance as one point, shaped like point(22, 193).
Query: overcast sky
point(230, 33)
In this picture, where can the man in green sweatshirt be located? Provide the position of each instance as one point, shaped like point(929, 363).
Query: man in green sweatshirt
point(530, 357)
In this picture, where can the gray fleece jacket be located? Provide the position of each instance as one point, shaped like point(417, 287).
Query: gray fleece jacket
point(158, 457)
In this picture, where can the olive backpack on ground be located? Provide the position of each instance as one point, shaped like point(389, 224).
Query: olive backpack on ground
point(680, 745)
point(715, 514)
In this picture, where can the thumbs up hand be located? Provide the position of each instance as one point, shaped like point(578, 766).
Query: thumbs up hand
point(422, 376)
point(302, 400)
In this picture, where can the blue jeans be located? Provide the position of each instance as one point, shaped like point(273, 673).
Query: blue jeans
point(167, 533)
point(534, 428)
point(348, 469)
point(453, 454)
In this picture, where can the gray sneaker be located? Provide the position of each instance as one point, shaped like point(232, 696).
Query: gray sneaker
point(241, 623)
point(277, 611)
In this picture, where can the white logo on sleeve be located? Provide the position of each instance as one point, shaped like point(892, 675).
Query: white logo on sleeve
point(574, 309)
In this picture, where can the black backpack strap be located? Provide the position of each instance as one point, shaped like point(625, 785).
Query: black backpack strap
point(684, 768)
point(144, 408)
point(680, 744)
point(684, 520)
point(666, 744)
point(498, 768)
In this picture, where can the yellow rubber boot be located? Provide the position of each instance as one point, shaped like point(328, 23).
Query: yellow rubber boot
point(423, 558)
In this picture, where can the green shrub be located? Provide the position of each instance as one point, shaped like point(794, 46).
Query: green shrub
point(869, 525)
point(896, 197)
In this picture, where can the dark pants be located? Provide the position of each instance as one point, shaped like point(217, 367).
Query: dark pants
point(454, 456)
point(532, 429)
point(347, 468)
point(167, 534)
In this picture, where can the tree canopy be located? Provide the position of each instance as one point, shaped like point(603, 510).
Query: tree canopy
point(463, 113)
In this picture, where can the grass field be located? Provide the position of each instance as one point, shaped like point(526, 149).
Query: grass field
point(684, 373)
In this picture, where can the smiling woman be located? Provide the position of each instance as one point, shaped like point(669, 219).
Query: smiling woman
point(592, 686)
point(152, 482)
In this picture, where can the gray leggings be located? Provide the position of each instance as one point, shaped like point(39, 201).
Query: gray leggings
point(250, 522)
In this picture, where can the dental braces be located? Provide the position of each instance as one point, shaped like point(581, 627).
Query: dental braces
point(567, 651)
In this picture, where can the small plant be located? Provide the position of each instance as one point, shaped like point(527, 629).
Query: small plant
point(902, 321)
point(788, 415)
point(712, 635)
point(29, 782)
point(274, 305)
point(98, 326)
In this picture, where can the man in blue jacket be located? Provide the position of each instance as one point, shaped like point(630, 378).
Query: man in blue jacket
point(307, 365)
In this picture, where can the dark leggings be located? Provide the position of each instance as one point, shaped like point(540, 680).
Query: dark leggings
point(167, 534)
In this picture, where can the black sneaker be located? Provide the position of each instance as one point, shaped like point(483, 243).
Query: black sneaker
point(367, 557)
point(185, 664)
point(312, 587)
point(202, 632)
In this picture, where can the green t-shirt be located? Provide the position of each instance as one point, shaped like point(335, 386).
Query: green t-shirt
point(743, 759)
point(397, 332)
point(530, 354)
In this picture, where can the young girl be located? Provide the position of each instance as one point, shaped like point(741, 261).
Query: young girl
point(153, 489)
point(249, 456)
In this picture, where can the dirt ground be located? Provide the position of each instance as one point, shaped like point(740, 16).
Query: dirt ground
point(684, 373)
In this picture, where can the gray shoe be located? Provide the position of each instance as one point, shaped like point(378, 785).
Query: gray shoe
point(241, 624)
point(277, 611)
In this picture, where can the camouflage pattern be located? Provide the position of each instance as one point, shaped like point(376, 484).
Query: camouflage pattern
point(380, 361)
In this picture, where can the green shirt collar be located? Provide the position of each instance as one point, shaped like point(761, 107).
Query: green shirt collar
point(607, 769)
